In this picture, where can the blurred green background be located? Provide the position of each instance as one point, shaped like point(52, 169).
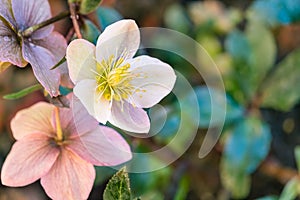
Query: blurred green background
point(256, 47)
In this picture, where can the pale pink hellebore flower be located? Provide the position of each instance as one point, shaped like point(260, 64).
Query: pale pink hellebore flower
point(63, 163)
point(112, 85)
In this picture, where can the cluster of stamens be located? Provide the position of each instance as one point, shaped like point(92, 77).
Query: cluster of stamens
point(113, 79)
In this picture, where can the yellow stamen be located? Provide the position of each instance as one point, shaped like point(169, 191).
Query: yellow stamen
point(59, 133)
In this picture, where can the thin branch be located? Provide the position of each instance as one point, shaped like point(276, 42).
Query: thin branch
point(74, 18)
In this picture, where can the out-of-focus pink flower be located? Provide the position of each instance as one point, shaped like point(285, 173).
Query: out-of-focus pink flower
point(60, 147)
point(114, 86)
point(42, 49)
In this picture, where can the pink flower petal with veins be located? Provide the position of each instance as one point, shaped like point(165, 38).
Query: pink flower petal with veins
point(70, 178)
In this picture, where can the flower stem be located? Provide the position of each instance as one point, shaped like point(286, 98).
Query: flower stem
point(59, 132)
point(27, 32)
point(74, 18)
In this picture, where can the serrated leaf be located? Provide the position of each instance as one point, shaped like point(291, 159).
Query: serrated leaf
point(291, 190)
point(118, 187)
point(22, 93)
point(281, 91)
point(107, 16)
point(88, 6)
point(4, 66)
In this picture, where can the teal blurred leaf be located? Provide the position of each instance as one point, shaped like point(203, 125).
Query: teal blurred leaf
point(107, 16)
point(275, 12)
point(281, 91)
point(90, 31)
point(238, 46)
point(118, 187)
point(103, 173)
point(291, 190)
point(208, 101)
point(245, 147)
point(88, 6)
point(24, 92)
point(176, 18)
point(268, 198)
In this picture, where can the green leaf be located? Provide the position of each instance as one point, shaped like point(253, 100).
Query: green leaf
point(88, 6)
point(23, 92)
point(252, 59)
point(297, 157)
point(291, 190)
point(176, 18)
point(245, 147)
point(281, 91)
point(118, 187)
point(107, 16)
point(90, 31)
point(183, 189)
point(59, 63)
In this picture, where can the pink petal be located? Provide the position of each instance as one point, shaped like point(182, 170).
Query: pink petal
point(10, 49)
point(98, 107)
point(29, 159)
point(28, 13)
point(156, 80)
point(77, 121)
point(35, 119)
point(120, 39)
point(42, 60)
point(69, 178)
point(103, 147)
point(81, 60)
point(129, 118)
point(57, 45)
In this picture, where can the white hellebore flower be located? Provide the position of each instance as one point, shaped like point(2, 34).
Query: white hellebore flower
point(111, 84)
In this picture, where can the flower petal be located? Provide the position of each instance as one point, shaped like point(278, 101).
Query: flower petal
point(42, 60)
point(29, 159)
point(69, 178)
point(57, 45)
point(29, 13)
point(77, 121)
point(103, 147)
point(120, 39)
point(99, 108)
point(5, 12)
point(81, 60)
point(129, 118)
point(10, 49)
point(155, 80)
point(35, 119)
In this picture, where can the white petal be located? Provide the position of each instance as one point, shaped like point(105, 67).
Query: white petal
point(81, 60)
point(120, 39)
point(99, 108)
point(129, 118)
point(155, 79)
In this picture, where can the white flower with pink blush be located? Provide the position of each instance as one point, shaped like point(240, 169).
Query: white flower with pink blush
point(111, 84)
point(60, 147)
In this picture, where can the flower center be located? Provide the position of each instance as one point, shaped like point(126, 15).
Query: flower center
point(113, 79)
